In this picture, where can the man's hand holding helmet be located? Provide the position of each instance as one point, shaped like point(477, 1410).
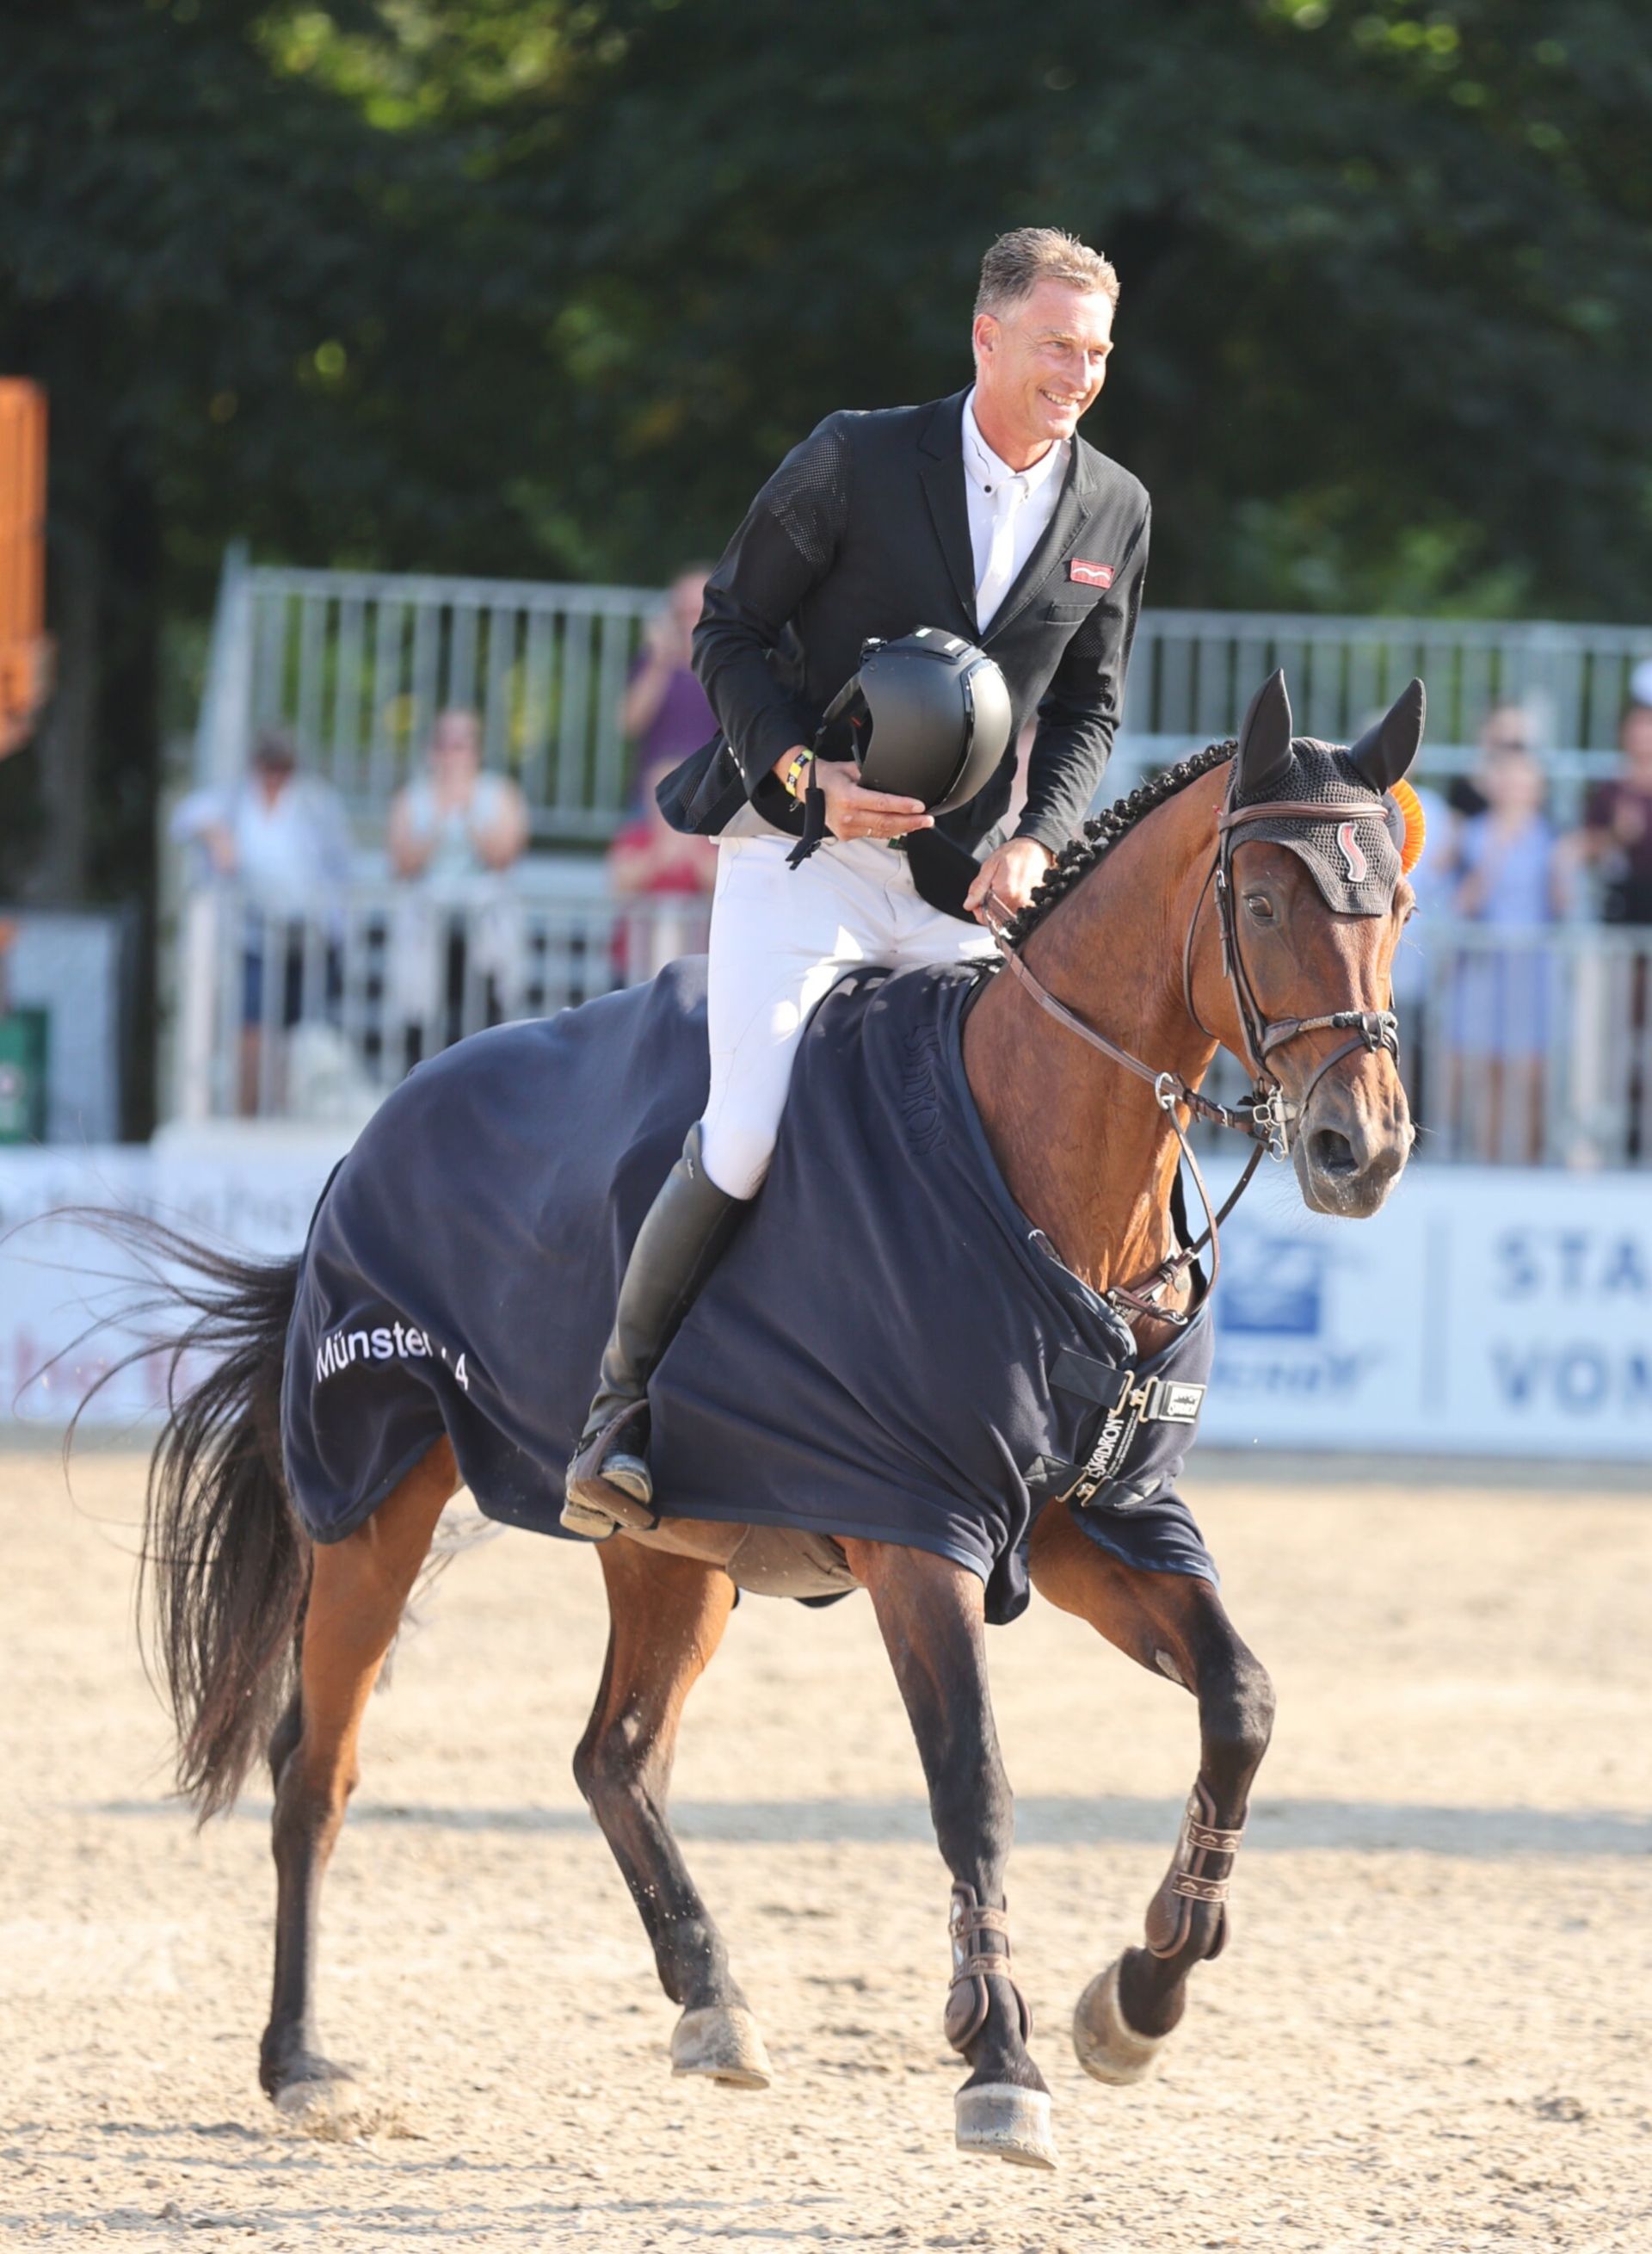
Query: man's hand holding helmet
point(851, 811)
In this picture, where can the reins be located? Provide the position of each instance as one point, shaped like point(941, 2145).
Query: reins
point(1268, 1117)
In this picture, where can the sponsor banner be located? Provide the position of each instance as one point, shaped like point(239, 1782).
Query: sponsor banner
point(63, 1289)
point(1487, 1310)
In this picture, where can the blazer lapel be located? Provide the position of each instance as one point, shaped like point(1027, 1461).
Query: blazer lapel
point(1059, 537)
point(940, 469)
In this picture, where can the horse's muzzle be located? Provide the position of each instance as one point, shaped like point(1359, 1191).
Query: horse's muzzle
point(1353, 1140)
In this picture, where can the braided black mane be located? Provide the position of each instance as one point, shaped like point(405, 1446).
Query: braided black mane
point(1102, 832)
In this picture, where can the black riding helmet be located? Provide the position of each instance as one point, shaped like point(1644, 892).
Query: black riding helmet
point(927, 717)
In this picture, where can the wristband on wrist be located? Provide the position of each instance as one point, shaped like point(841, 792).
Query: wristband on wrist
point(795, 769)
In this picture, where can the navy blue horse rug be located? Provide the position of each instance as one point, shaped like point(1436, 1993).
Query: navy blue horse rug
point(888, 1349)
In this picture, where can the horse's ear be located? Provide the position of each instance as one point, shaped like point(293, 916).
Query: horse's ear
point(1384, 753)
point(1264, 737)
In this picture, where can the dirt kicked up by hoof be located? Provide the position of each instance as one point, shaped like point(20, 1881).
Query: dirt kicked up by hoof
point(1107, 2044)
point(1004, 2122)
point(723, 2043)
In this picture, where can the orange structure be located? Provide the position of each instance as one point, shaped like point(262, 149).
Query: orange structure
point(24, 651)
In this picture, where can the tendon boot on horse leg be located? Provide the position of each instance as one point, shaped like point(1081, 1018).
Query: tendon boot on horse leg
point(1173, 1625)
point(667, 1616)
point(932, 1615)
point(359, 1589)
point(682, 1238)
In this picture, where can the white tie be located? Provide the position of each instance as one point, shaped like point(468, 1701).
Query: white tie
point(995, 580)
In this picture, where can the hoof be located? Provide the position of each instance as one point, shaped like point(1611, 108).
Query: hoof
point(721, 2041)
point(332, 2110)
point(1005, 2124)
point(1108, 2046)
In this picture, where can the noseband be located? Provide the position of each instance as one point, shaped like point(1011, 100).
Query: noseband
point(1268, 1116)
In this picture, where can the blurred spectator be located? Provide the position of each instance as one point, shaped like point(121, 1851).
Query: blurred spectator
point(453, 822)
point(455, 943)
point(283, 840)
point(1617, 838)
point(649, 860)
point(665, 712)
point(1510, 875)
point(1617, 823)
point(1506, 727)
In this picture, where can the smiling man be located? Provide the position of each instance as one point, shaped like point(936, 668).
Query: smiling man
point(983, 515)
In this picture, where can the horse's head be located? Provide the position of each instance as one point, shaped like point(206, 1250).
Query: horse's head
point(1316, 898)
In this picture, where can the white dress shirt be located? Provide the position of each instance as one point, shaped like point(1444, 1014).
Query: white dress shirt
point(1009, 510)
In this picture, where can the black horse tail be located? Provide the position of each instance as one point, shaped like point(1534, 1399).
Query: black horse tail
point(225, 1565)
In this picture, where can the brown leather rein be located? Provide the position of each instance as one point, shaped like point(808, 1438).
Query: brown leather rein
point(1269, 1117)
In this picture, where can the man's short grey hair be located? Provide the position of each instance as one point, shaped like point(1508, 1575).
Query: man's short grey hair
point(1019, 260)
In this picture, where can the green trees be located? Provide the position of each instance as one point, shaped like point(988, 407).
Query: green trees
point(548, 287)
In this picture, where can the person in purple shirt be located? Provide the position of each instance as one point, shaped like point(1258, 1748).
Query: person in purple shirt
point(664, 712)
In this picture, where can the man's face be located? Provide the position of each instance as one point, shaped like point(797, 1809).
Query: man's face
point(1041, 365)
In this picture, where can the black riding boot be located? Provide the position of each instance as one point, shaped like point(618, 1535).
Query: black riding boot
point(682, 1238)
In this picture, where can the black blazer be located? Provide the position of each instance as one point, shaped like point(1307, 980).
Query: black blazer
point(864, 529)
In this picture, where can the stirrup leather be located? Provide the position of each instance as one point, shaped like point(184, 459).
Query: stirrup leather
point(980, 1945)
point(1200, 1871)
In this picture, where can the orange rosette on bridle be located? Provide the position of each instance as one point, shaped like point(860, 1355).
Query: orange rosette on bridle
point(1416, 824)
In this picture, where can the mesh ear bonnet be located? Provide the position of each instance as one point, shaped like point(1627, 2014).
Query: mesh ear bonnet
point(1354, 863)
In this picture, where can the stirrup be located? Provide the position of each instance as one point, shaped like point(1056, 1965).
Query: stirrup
point(608, 1487)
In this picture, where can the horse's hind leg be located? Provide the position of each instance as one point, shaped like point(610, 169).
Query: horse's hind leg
point(357, 1593)
point(932, 1615)
point(1173, 1625)
point(667, 1618)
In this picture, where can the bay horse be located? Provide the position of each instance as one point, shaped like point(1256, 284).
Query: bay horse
point(1201, 911)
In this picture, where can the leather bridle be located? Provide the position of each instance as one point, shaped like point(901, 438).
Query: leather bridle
point(1268, 1117)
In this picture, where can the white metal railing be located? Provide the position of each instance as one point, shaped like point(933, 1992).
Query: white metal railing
point(1526, 1047)
point(1192, 672)
point(317, 1018)
point(1535, 1047)
point(357, 664)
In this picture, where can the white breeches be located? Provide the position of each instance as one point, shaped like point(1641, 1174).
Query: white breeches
point(781, 939)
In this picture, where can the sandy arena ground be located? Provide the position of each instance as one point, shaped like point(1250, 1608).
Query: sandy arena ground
point(1430, 2032)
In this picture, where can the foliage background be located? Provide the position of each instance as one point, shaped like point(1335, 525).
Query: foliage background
point(527, 286)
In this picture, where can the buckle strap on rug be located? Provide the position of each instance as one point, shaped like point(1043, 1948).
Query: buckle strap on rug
point(980, 1938)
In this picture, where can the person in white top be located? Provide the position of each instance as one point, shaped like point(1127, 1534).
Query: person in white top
point(283, 836)
point(453, 822)
point(283, 840)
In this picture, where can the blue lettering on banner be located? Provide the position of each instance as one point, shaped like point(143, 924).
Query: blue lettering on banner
point(1569, 1262)
point(1327, 1376)
point(1582, 1378)
point(1272, 1287)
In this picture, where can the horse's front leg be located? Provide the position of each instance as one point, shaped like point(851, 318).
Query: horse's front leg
point(1173, 1625)
point(932, 1615)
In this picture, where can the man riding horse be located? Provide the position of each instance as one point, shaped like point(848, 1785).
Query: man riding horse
point(979, 517)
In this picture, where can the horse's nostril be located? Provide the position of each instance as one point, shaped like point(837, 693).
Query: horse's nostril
point(1332, 1153)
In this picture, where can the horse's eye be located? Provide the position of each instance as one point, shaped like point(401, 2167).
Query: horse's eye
point(1259, 906)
